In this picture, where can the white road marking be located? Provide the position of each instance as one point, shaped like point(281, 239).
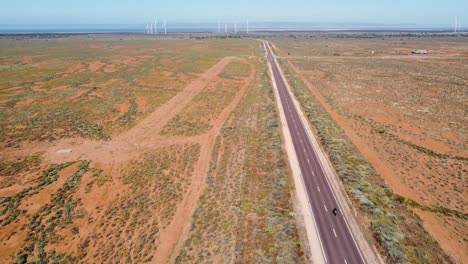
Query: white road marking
point(318, 188)
point(334, 232)
point(325, 208)
point(308, 161)
point(303, 149)
point(346, 262)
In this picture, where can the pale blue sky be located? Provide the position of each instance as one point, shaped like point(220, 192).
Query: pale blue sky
point(422, 12)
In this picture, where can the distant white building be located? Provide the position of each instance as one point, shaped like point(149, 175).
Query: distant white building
point(420, 52)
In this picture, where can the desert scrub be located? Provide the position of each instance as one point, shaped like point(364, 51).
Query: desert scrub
point(47, 124)
point(74, 98)
point(156, 184)
point(126, 118)
point(197, 116)
point(235, 70)
point(98, 177)
point(397, 230)
point(433, 208)
point(11, 168)
point(179, 126)
point(9, 205)
point(56, 215)
point(244, 214)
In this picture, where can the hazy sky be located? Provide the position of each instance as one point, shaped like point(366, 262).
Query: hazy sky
point(422, 12)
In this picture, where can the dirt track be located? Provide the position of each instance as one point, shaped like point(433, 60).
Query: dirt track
point(172, 236)
point(109, 155)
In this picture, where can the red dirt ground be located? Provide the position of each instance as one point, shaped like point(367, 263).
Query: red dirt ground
point(112, 156)
point(389, 157)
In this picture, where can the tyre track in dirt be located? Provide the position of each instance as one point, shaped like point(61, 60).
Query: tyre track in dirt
point(174, 235)
point(146, 135)
point(130, 144)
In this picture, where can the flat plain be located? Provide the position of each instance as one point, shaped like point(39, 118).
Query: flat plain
point(405, 114)
point(134, 149)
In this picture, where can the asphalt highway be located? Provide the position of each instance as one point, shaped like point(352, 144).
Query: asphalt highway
point(337, 242)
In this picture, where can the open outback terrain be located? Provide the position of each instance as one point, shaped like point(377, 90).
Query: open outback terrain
point(146, 150)
point(375, 105)
point(140, 149)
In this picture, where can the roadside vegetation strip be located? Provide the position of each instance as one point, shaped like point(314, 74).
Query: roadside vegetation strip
point(245, 213)
point(398, 231)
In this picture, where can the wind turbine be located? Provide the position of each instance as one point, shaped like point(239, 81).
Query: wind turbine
point(151, 28)
point(147, 28)
point(225, 28)
point(456, 25)
point(165, 27)
point(235, 27)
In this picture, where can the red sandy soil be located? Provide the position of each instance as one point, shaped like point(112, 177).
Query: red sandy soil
point(95, 65)
point(14, 89)
point(96, 93)
point(35, 202)
point(24, 103)
point(166, 73)
point(77, 67)
point(183, 76)
point(110, 68)
point(141, 102)
point(94, 46)
point(112, 155)
point(105, 47)
point(38, 87)
point(178, 229)
point(410, 183)
point(11, 190)
point(76, 95)
point(62, 88)
point(30, 204)
point(123, 108)
point(451, 231)
point(125, 60)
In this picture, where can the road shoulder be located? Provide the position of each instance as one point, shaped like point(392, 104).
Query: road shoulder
point(303, 211)
point(369, 253)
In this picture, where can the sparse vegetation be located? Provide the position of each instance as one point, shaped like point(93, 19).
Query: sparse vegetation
point(245, 213)
point(157, 183)
point(9, 205)
point(396, 228)
point(12, 168)
point(67, 88)
point(196, 118)
point(58, 214)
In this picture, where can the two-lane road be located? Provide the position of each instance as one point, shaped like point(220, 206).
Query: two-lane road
point(337, 242)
